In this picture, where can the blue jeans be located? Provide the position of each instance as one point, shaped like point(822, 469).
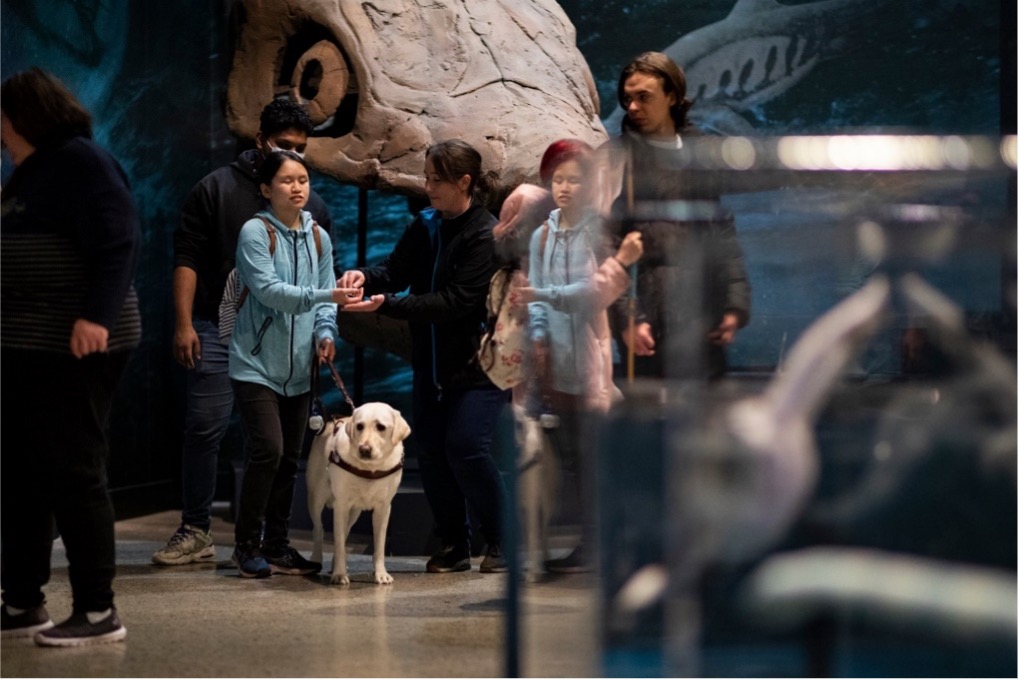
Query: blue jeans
point(275, 428)
point(209, 401)
point(458, 471)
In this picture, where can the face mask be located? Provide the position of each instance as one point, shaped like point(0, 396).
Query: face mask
point(271, 148)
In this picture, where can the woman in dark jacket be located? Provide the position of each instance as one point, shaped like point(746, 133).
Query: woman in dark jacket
point(446, 258)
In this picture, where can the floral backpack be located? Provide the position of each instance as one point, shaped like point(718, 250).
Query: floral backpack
point(505, 341)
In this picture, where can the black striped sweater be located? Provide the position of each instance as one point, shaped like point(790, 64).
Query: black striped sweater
point(69, 241)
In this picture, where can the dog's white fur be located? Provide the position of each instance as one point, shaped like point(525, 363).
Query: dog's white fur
point(371, 439)
point(537, 483)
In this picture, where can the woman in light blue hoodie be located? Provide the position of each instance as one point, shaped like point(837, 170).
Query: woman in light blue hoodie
point(287, 315)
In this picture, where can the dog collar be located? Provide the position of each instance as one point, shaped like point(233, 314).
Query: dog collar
point(334, 458)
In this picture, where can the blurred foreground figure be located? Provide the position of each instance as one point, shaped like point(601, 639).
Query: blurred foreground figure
point(692, 291)
point(70, 320)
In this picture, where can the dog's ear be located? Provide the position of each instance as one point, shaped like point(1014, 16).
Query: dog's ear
point(400, 428)
point(349, 428)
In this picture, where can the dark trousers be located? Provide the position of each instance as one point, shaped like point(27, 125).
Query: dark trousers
point(54, 452)
point(274, 428)
point(458, 472)
point(573, 441)
point(209, 402)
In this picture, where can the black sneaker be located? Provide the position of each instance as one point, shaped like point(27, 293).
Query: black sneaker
point(287, 561)
point(494, 560)
point(24, 625)
point(575, 562)
point(80, 630)
point(449, 559)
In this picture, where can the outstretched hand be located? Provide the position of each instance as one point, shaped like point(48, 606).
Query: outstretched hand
point(370, 305)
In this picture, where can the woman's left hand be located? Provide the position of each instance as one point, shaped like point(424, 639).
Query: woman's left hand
point(370, 305)
point(326, 350)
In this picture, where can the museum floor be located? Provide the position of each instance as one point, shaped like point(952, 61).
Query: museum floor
point(202, 620)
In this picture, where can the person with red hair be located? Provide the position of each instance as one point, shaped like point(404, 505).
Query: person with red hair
point(569, 290)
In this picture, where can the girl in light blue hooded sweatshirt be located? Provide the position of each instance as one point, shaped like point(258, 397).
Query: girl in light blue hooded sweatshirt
point(571, 282)
point(287, 317)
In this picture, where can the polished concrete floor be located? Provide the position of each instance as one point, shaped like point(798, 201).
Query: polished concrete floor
point(202, 620)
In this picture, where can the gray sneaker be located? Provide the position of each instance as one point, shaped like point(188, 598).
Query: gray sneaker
point(189, 544)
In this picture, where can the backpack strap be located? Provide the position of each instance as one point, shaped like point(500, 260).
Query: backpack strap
point(316, 234)
point(272, 234)
point(318, 238)
point(272, 249)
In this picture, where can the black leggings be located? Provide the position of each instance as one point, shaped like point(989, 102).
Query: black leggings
point(275, 428)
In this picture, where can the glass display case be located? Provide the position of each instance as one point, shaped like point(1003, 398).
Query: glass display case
point(842, 501)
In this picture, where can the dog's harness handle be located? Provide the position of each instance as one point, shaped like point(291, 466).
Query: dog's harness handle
point(334, 458)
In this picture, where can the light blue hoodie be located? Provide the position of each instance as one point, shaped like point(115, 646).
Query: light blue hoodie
point(561, 272)
point(289, 307)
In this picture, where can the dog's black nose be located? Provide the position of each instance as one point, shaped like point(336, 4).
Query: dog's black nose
point(365, 451)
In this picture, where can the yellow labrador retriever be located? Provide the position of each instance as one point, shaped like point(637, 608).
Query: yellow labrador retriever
point(356, 465)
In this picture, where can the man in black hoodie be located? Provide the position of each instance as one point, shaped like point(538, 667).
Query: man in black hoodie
point(204, 247)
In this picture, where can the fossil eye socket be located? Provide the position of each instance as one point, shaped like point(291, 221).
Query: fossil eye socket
point(316, 72)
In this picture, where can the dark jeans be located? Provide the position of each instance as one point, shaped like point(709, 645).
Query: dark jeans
point(209, 401)
point(458, 471)
point(56, 413)
point(274, 428)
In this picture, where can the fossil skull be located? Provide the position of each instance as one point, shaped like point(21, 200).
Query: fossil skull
point(384, 80)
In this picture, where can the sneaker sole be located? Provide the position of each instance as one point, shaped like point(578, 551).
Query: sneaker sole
point(26, 632)
point(491, 570)
point(463, 566)
point(206, 555)
point(109, 637)
point(255, 575)
point(292, 571)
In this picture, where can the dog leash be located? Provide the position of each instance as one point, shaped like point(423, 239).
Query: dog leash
point(339, 382)
point(317, 419)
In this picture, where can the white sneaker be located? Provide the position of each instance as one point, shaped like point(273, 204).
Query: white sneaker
point(188, 545)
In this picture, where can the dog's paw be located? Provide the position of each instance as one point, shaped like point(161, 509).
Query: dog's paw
point(342, 580)
point(383, 578)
